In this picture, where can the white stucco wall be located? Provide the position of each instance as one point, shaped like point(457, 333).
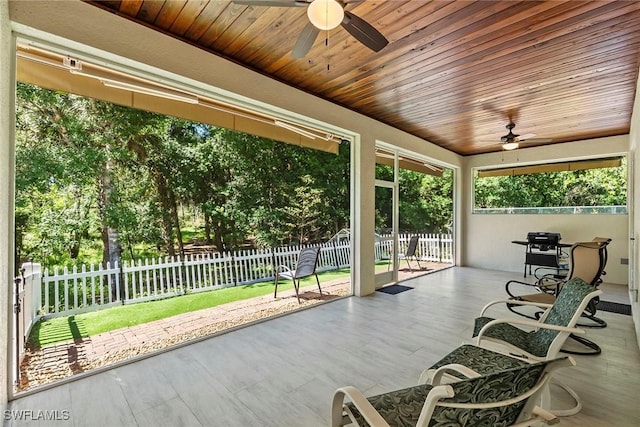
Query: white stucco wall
point(490, 246)
point(634, 215)
point(6, 193)
point(489, 236)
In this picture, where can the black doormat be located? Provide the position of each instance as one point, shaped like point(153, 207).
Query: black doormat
point(614, 307)
point(394, 289)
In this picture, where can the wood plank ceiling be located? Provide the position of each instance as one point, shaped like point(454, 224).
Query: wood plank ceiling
point(453, 73)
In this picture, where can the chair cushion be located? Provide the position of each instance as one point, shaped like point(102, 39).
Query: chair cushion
point(402, 407)
point(514, 336)
point(481, 360)
point(538, 342)
point(564, 308)
point(398, 408)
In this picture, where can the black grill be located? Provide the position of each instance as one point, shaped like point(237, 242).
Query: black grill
point(543, 240)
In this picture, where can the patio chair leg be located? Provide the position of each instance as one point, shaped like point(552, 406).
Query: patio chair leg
point(318, 282)
point(598, 323)
point(275, 292)
point(409, 264)
point(296, 285)
point(566, 412)
point(594, 349)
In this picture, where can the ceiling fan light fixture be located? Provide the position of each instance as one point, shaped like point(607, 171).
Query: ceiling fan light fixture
point(510, 145)
point(325, 14)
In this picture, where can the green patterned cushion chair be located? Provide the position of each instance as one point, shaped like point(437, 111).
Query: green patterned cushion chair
point(478, 359)
point(502, 398)
point(542, 339)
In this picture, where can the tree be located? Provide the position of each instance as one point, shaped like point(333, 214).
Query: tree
point(90, 168)
point(54, 173)
point(304, 212)
point(425, 201)
point(80, 145)
point(591, 187)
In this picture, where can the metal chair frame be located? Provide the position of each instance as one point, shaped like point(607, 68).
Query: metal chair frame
point(305, 267)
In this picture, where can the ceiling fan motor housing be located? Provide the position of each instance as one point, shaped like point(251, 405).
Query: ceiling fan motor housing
point(510, 137)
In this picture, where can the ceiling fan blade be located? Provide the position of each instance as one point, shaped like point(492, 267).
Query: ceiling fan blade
point(305, 41)
point(272, 3)
point(527, 136)
point(536, 140)
point(362, 31)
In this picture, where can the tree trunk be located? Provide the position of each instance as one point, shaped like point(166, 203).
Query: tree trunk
point(111, 249)
point(176, 220)
point(217, 238)
point(207, 228)
point(167, 224)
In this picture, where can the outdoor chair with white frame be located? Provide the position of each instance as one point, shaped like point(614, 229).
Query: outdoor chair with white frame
point(506, 397)
point(588, 260)
point(541, 339)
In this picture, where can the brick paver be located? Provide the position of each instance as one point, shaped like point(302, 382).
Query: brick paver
point(121, 339)
point(63, 359)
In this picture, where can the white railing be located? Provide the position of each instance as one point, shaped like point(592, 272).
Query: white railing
point(65, 292)
point(431, 247)
point(561, 210)
point(30, 300)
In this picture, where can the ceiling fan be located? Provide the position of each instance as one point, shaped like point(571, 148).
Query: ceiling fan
point(326, 15)
point(511, 141)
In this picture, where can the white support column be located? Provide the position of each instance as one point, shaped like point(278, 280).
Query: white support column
point(633, 203)
point(363, 161)
point(463, 184)
point(7, 120)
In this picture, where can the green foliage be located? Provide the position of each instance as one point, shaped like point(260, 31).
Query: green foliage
point(591, 187)
point(425, 201)
point(72, 167)
point(277, 193)
point(85, 166)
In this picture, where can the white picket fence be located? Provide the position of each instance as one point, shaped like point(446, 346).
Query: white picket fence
point(431, 247)
point(70, 291)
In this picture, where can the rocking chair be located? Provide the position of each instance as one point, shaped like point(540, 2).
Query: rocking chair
point(588, 260)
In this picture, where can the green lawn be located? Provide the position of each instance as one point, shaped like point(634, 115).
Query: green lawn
point(60, 329)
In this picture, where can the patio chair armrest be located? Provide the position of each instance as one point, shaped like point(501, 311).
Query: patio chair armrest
point(515, 302)
point(535, 416)
point(360, 401)
point(434, 398)
point(435, 377)
point(530, 323)
point(283, 269)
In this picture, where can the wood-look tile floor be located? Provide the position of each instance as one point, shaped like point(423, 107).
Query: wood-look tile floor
point(283, 372)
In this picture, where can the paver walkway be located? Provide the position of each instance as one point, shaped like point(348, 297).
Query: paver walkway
point(51, 363)
point(54, 362)
point(248, 310)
